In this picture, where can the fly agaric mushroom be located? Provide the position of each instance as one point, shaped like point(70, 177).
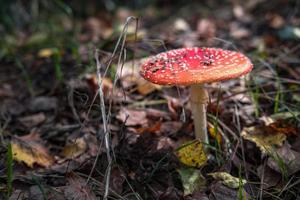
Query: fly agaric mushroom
point(195, 67)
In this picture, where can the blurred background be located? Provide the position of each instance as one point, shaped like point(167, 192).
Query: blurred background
point(68, 31)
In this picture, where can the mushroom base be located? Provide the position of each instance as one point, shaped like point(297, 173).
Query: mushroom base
point(199, 100)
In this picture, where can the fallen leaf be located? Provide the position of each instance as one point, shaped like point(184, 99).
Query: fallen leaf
point(265, 141)
point(285, 160)
point(228, 180)
point(280, 126)
point(221, 192)
point(132, 117)
point(75, 149)
point(192, 154)
point(47, 52)
point(198, 195)
point(170, 193)
point(92, 81)
point(151, 129)
point(192, 180)
point(33, 120)
point(29, 149)
point(16, 195)
point(171, 127)
point(139, 84)
point(38, 192)
point(117, 180)
point(215, 134)
point(268, 176)
point(165, 143)
point(12, 107)
point(43, 103)
point(78, 189)
point(156, 114)
point(145, 87)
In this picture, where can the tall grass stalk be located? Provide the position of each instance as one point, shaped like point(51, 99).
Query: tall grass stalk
point(9, 170)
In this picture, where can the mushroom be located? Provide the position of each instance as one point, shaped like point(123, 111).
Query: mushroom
point(195, 67)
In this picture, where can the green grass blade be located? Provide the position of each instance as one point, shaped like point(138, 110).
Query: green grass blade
point(9, 169)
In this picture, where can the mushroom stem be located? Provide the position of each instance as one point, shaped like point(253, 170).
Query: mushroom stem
point(199, 99)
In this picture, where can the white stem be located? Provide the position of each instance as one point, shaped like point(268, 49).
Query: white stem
point(199, 99)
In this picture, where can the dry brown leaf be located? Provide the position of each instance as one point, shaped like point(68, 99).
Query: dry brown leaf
point(92, 81)
point(78, 189)
point(165, 143)
point(29, 149)
point(155, 114)
point(132, 117)
point(265, 141)
point(285, 161)
point(141, 85)
point(152, 129)
point(33, 120)
point(145, 87)
point(43, 104)
point(171, 127)
point(222, 192)
point(117, 180)
point(268, 176)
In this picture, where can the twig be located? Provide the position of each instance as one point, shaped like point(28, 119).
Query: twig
point(106, 131)
point(105, 118)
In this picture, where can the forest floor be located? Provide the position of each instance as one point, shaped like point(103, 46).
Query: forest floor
point(57, 143)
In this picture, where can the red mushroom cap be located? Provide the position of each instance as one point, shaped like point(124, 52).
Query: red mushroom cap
point(195, 65)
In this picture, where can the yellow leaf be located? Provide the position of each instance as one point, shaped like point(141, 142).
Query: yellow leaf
point(215, 134)
point(47, 52)
point(31, 152)
point(265, 141)
point(75, 149)
point(228, 180)
point(192, 154)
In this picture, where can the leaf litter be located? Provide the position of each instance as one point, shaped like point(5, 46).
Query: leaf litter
point(148, 122)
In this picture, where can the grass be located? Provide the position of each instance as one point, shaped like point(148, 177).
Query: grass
point(25, 75)
point(40, 186)
point(57, 64)
point(9, 170)
point(254, 93)
point(216, 129)
point(278, 94)
point(241, 186)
